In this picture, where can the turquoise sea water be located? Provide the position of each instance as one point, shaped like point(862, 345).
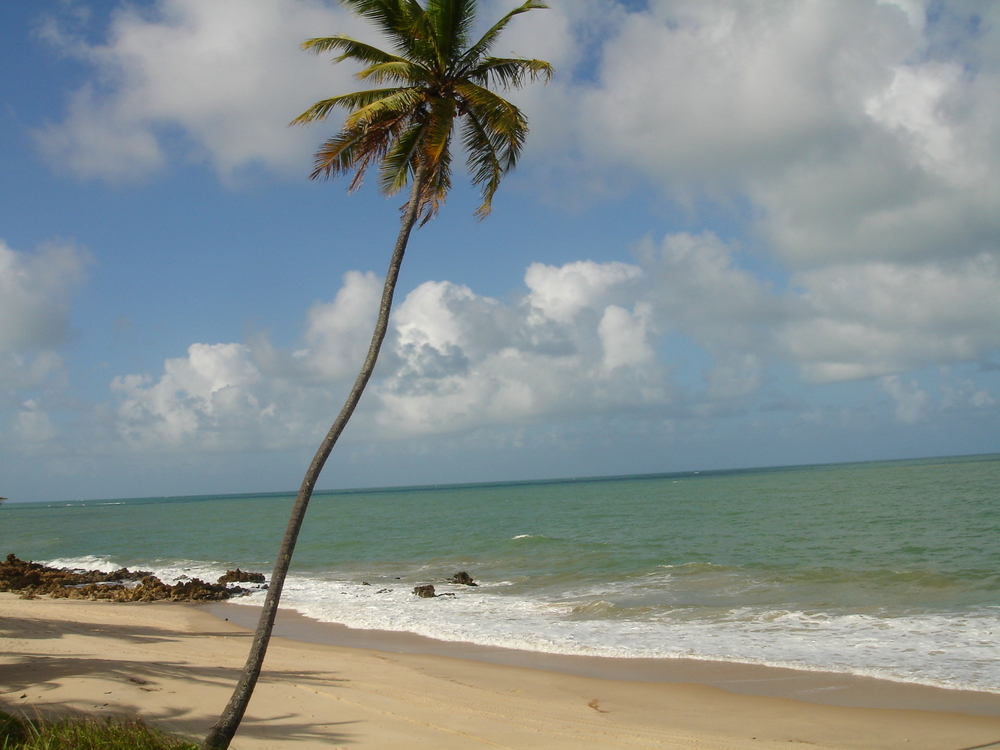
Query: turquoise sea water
point(889, 569)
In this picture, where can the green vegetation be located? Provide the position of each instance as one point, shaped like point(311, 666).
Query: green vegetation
point(83, 732)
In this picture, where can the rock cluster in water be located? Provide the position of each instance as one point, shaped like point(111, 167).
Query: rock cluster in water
point(427, 591)
point(123, 585)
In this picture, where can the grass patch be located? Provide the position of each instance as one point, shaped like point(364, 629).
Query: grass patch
point(85, 733)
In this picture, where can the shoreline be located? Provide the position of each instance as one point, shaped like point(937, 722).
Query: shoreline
point(176, 666)
point(811, 686)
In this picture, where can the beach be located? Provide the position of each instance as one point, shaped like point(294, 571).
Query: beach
point(175, 665)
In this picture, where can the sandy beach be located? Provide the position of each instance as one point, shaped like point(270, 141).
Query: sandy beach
point(175, 665)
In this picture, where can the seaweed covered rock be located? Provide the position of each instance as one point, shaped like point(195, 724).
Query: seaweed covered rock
point(425, 592)
point(123, 585)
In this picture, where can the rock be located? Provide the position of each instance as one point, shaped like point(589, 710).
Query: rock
point(32, 579)
point(462, 578)
point(241, 576)
point(425, 592)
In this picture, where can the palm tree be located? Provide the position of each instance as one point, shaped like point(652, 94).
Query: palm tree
point(435, 79)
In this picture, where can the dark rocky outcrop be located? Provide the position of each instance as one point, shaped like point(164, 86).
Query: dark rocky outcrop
point(426, 592)
point(32, 579)
point(241, 576)
point(462, 578)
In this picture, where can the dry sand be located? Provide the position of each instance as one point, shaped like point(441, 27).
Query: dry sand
point(175, 665)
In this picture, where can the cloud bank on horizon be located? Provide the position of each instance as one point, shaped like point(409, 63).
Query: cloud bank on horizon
point(835, 267)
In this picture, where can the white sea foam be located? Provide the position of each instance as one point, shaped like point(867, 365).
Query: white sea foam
point(939, 650)
point(168, 571)
point(86, 562)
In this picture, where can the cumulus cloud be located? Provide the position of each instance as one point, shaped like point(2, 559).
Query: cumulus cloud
point(209, 395)
point(227, 76)
point(338, 333)
point(454, 360)
point(853, 147)
point(583, 339)
point(853, 131)
point(567, 348)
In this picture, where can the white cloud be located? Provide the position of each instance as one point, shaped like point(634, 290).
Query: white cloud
point(701, 290)
point(338, 333)
point(912, 104)
point(454, 360)
point(853, 146)
point(567, 349)
point(625, 336)
point(561, 293)
point(32, 424)
point(583, 340)
point(35, 294)
point(706, 91)
point(911, 401)
point(227, 75)
point(208, 398)
point(857, 321)
point(845, 131)
point(964, 394)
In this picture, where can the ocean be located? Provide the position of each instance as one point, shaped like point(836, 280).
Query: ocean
point(884, 569)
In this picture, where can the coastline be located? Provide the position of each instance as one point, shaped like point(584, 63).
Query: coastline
point(176, 664)
point(825, 688)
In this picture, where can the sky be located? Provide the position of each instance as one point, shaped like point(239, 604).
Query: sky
point(751, 233)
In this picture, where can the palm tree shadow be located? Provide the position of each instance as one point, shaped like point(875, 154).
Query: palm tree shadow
point(26, 628)
point(29, 681)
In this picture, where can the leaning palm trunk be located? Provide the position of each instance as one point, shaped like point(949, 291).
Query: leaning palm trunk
point(437, 80)
point(222, 732)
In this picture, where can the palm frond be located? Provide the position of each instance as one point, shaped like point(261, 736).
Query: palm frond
point(436, 187)
point(355, 149)
point(509, 72)
point(493, 139)
point(438, 127)
point(403, 72)
point(386, 14)
point(452, 20)
point(400, 102)
point(349, 49)
point(353, 101)
point(481, 48)
point(502, 119)
point(399, 159)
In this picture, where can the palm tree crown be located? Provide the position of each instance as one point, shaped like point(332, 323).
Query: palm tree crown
point(435, 78)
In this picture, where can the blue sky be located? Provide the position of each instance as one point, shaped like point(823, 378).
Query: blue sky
point(742, 234)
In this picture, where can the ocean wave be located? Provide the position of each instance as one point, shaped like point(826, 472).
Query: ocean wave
point(952, 651)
